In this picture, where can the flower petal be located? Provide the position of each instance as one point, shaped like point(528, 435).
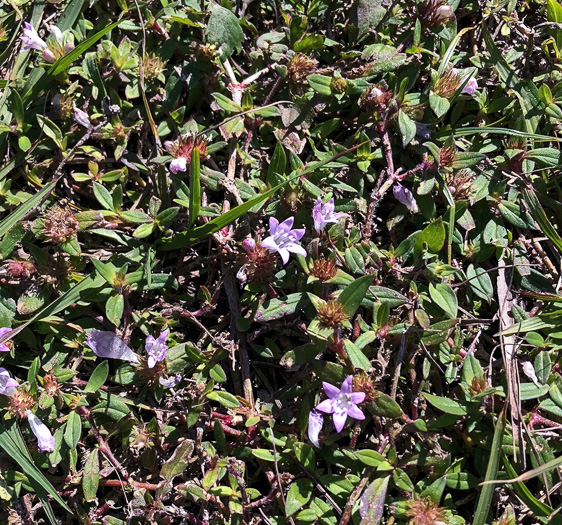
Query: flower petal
point(327, 406)
point(339, 420)
point(286, 225)
point(355, 412)
point(45, 439)
point(297, 234)
point(357, 397)
point(347, 385)
point(284, 253)
point(273, 225)
point(108, 345)
point(270, 244)
point(331, 391)
point(296, 248)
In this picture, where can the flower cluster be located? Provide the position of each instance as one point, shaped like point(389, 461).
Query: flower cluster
point(55, 48)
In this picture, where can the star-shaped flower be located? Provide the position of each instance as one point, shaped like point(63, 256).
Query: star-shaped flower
point(283, 239)
point(324, 214)
point(342, 403)
point(156, 348)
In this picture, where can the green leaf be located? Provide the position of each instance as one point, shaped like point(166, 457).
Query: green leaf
point(226, 104)
point(432, 237)
point(73, 430)
point(114, 308)
point(223, 28)
point(540, 216)
point(442, 294)
point(103, 196)
point(545, 157)
point(356, 356)
point(321, 84)
point(178, 461)
point(277, 165)
point(305, 455)
point(450, 406)
point(194, 187)
point(224, 398)
point(373, 500)
point(407, 128)
point(543, 366)
point(351, 297)
point(299, 494)
point(273, 309)
point(98, 377)
point(91, 475)
point(439, 105)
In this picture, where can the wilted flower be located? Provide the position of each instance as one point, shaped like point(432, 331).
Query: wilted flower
point(315, 423)
point(283, 239)
point(59, 224)
point(5, 330)
point(342, 403)
point(171, 382)
point(404, 196)
point(156, 348)
point(7, 383)
point(529, 371)
point(30, 38)
point(107, 344)
point(45, 439)
point(446, 85)
point(324, 214)
point(82, 118)
point(375, 100)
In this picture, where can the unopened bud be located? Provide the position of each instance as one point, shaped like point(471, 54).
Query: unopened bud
point(444, 12)
point(249, 244)
point(68, 47)
point(48, 56)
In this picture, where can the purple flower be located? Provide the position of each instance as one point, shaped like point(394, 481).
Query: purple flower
point(31, 39)
point(179, 164)
point(315, 423)
point(471, 86)
point(82, 118)
point(404, 196)
point(342, 403)
point(3, 331)
point(324, 214)
point(422, 130)
point(156, 348)
point(7, 384)
point(45, 439)
point(171, 382)
point(249, 244)
point(107, 344)
point(283, 239)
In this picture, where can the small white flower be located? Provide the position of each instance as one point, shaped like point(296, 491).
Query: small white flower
point(529, 371)
point(179, 164)
point(45, 439)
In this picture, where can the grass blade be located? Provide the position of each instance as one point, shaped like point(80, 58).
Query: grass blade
point(485, 499)
point(194, 187)
point(541, 218)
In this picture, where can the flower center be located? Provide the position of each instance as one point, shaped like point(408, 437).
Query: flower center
point(343, 402)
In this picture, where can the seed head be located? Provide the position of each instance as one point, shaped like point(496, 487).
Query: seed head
point(260, 264)
point(447, 84)
point(298, 69)
point(59, 225)
point(324, 269)
point(331, 314)
point(375, 100)
point(425, 512)
point(19, 402)
point(20, 269)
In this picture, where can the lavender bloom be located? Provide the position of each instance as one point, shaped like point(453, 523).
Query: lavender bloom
point(82, 118)
point(107, 344)
point(45, 439)
point(315, 423)
point(171, 382)
point(30, 38)
point(404, 196)
point(179, 164)
point(156, 348)
point(324, 214)
point(7, 383)
point(3, 331)
point(283, 239)
point(342, 403)
point(471, 86)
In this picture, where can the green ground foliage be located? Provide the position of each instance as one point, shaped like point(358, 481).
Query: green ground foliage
point(281, 262)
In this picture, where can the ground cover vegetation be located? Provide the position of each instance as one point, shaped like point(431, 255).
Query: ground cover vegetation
point(281, 262)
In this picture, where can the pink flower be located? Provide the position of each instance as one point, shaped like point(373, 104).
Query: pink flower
point(107, 344)
point(283, 239)
point(342, 403)
point(45, 439)
point(30, 38)
point(324, 214)
point(179, 164)
point(471, 86)
point(156, 348)
point(3, 331)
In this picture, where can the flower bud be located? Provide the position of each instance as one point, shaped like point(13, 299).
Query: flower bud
point(45, 439)
point(443, 13)
point(82, 118)
point(68, 47)
point(48, 56)
point(404, 196)
point(249, 244)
